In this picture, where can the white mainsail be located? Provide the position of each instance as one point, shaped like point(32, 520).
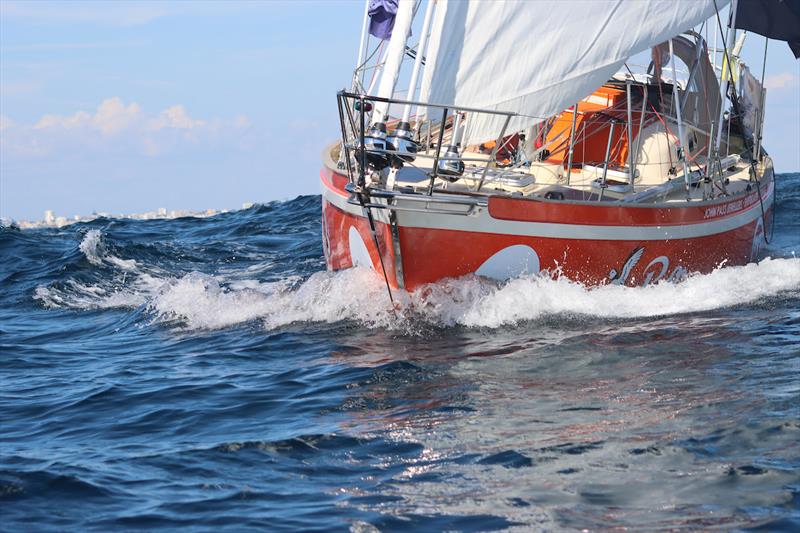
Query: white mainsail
point(537, 57)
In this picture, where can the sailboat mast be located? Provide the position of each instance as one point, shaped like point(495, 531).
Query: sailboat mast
point(630, 133)
point(412, 84)
point(394, 58)
point(681, 137)
point(572, 141)
point(641, 127)
point(762, 103)
point(726, 62)
point(361, 48)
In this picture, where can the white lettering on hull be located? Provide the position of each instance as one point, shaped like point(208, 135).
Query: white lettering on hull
point(655, 271)
point(731, 207)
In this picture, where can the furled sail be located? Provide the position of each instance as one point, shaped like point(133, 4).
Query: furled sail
point(536, 58)
point(394, 57)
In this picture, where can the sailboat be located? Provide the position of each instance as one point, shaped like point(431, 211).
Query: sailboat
point(529, 143)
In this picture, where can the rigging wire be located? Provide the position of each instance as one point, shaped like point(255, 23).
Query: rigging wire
point(379, 50)
point(732, 97)
point(361, 197)
point(378, 248)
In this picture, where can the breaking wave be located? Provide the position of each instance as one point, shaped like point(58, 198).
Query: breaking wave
point(95, 251)
point(197, 300)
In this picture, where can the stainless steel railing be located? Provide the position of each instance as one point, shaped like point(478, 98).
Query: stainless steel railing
point(355, 113)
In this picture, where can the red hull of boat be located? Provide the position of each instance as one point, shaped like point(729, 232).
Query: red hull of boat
point(592, 244)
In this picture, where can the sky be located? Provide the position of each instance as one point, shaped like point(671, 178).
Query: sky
point(125, 107)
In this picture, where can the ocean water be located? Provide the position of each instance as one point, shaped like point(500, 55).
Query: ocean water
point(209, 375)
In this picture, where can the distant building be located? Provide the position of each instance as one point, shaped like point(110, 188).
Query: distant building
point(51, 220)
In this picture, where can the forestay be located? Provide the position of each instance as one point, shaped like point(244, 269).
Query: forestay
point(538, 57)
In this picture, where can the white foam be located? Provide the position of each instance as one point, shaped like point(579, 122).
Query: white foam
point(533, 297)
point(94, 249)
point(75, 295)
point(358, 294)
point(202, 301)
point(132, 289)
point(91, 247)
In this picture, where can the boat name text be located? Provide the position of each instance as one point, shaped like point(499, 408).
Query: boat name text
point(730, 207)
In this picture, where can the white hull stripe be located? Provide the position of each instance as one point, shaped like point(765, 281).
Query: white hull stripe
point(484, 223)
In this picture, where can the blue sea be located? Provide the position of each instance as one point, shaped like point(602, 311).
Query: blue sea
point(208, 374)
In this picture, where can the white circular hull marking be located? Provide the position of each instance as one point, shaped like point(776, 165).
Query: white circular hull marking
point(359, 255)
point(511, 262)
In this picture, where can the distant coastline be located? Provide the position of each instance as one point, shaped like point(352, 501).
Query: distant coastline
point(52, 220)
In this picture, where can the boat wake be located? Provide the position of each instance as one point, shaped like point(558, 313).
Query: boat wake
point(197, 300)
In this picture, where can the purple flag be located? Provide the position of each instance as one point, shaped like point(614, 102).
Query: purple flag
point(381, 14)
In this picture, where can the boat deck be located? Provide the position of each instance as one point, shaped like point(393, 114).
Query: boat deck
point(548, 181)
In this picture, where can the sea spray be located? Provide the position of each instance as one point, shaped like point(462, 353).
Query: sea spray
point(204, 301)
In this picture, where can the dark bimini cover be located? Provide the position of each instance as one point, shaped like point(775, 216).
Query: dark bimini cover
point(776, 19)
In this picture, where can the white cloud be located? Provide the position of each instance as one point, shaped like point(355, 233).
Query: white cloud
point(115, 124)
point(175, 117)
point(113, 116)
point(782, 80)
point(51, 122)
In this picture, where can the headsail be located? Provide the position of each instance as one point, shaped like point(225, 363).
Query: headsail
point(538, 57)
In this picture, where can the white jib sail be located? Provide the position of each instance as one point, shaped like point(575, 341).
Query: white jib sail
point(537, 57)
